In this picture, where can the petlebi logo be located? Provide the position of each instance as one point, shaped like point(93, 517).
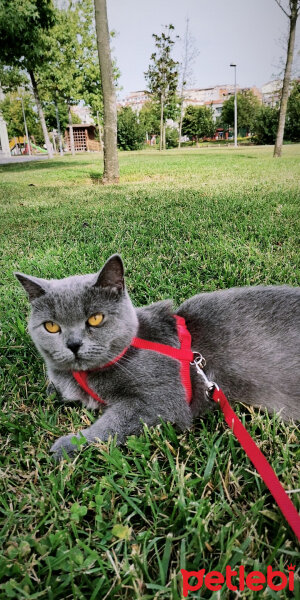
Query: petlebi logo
point(238, 580)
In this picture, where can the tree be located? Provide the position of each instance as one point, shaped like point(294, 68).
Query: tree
point(198, 122)
point(11, 109)
point(149, 117)
point(131, 133)
point(171, 137)
point(292, 126)
point(292, 15)
point(190, 54)
point(60, 75)
point(70, 71)
point(23, 27)
point(247, 110)
point(162, 75)
point(265, 125)
point(111, 164)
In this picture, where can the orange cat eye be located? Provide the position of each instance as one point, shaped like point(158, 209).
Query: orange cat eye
point(95, 320)
point(51, 327)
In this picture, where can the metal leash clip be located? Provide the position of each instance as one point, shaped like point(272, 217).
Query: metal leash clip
point(200, 362)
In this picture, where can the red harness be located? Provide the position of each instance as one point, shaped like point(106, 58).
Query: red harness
point(184, 354)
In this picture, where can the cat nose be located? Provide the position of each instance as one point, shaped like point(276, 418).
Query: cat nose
point(74, 345)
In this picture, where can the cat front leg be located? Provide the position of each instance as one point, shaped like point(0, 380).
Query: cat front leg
point(114, 421)
point(119, 420)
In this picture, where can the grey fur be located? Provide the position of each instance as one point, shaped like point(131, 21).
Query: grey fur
point(249, 337)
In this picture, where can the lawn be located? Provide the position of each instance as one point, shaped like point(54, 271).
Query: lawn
point(121, 522)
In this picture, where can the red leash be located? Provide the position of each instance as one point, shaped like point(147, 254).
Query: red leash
point(260, 462)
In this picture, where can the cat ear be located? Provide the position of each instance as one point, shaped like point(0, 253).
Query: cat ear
point(112, 274)
point(34, 286)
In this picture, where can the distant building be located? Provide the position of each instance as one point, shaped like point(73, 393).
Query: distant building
point(213, 96)
point(271, 92)
point(135, 100)
point(84, 114)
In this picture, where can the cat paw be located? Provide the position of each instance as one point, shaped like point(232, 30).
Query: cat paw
point(65, 443)
point(51, 389)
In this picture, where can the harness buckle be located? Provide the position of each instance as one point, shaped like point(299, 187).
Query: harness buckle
point(199, 362)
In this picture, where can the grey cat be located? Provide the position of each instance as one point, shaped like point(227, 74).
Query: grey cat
point(249, 337)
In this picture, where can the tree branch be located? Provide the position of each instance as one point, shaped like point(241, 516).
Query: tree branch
point(280, 6)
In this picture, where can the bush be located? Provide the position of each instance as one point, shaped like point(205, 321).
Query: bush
point(131, 133)
point(292, 125)
point(265, 125)
point(171, 137)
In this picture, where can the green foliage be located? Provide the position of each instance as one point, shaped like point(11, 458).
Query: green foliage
point(50, 114)
point(198, 122)
point(172, 108)
point(292, 122)
point(171, 137)
point(12, 77)
point(23, 28)
point(265, 125)
point(65, 62)
point(60, 76)
point(149, 117)
point(162, 76)
point(11, 109)
point(248, 106)
point(131, 133)
point(122, 521)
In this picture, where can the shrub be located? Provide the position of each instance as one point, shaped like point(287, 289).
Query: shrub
point(265, 125)
point(171, 137)
point(131, 134)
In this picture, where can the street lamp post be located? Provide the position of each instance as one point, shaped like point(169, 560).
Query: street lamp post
point(235, 106)
point(25, 124)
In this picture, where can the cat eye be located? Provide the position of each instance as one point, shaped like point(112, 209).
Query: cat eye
point(95, 320)
point(51, 327)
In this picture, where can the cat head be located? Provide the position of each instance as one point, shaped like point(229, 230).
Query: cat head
point(83, 321)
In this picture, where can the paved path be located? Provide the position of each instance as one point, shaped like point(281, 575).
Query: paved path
point(11, 160)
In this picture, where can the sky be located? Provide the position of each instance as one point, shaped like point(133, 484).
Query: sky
point(250, 33)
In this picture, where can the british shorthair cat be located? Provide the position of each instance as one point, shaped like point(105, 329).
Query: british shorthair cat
point(85, 324)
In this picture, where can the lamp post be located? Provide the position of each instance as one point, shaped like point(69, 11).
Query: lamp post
point(25, 124)
point(235, 106)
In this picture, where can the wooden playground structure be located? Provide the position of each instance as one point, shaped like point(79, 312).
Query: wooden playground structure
point(84, 138)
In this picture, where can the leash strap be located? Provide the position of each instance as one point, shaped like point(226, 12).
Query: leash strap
point(260, 462)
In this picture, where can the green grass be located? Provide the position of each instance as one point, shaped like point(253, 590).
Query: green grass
point(121, 522)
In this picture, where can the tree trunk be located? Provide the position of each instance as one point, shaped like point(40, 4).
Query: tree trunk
point(111, 163)
point(72, 145)
point(180, 122)
point(164, 136)
point(99, 128)
point(41, 114)
point(161, 122)
point(286, 80)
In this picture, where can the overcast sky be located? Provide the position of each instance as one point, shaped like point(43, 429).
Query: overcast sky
point(250, 33)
